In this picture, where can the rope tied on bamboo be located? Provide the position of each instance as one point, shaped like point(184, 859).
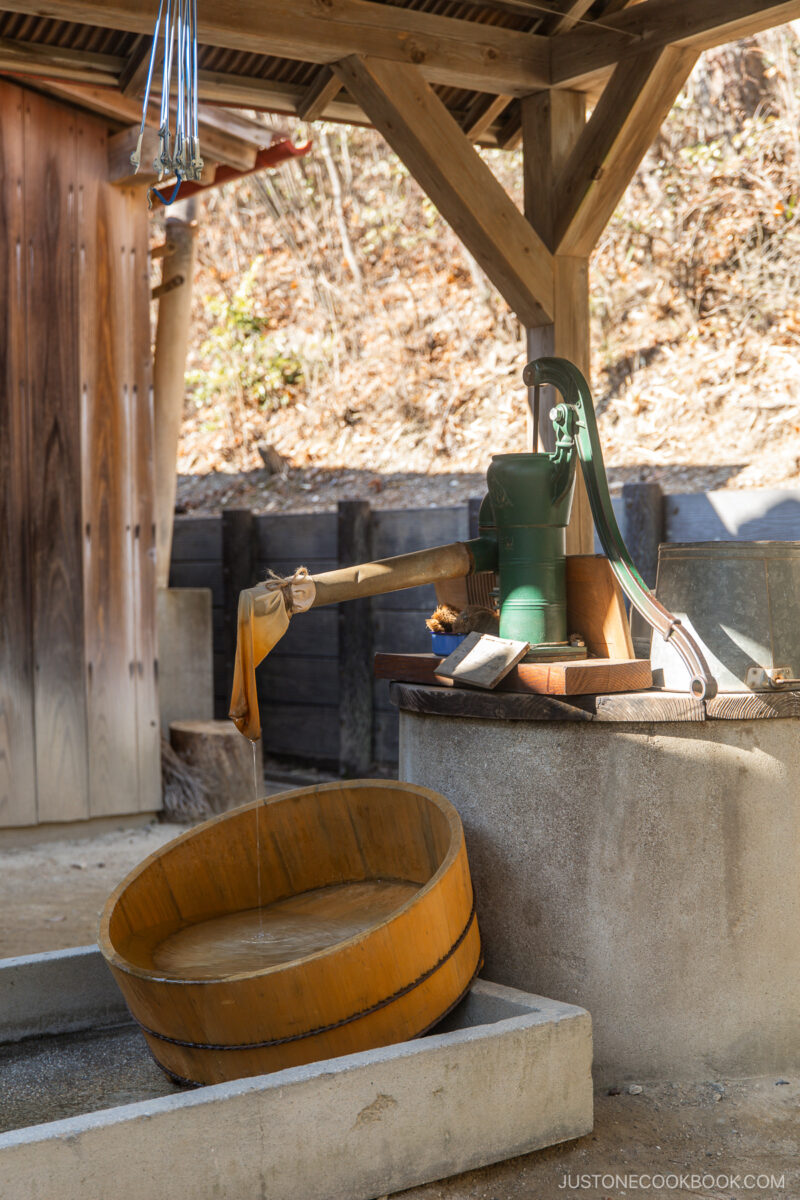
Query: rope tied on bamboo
point(298, 590)
point(263, 618)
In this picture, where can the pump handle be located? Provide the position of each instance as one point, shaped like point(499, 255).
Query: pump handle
point(576, 418)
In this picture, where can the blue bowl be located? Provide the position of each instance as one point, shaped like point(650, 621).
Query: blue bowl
point(445, 643)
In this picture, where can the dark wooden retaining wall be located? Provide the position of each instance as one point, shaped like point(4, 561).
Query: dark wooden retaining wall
point(318, 700)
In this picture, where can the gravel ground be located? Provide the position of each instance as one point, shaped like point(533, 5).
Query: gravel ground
point(48, 1079)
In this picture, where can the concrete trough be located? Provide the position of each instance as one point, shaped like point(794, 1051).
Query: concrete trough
point(85, 1111)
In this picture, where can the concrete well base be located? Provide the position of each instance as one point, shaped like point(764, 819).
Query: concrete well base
point(506, 1073)
point(648, 872)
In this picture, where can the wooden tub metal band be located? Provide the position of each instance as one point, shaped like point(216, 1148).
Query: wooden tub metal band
point(295, 1037)
point(183, 1081)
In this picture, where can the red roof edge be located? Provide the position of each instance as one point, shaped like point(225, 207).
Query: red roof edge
point(270, 156)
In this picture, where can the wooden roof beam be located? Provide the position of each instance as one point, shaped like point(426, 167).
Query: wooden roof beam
point(121, 171)
point(217, 142)
point(418, 127)
point(235, 126)
point(446, 50)
point(691, 24)
point(35, 59)
point(613, 142)
point(120, 147)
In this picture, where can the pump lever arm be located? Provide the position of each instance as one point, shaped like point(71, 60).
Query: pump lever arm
point(576, 417)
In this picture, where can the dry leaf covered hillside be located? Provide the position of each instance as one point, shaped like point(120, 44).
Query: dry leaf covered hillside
point(339, 320)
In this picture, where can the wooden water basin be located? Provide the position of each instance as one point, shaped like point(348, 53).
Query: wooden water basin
point(319, 922)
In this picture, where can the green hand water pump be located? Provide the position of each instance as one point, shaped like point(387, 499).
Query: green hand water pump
point(522, 537)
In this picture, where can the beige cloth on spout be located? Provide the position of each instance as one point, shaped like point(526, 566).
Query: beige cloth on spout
point(264, 613)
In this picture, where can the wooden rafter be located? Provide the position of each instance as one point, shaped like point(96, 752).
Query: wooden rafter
point(627, 117)
point(482, 114)
point(571, 13)
point(101, 100)
point(446, 50)
point(444, 162)
point(133, 76)
point(323, 90)
point(122, 174)
point(692, 24)
point(509, 135)
point(266, 95)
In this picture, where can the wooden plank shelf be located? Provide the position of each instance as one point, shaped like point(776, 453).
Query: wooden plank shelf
point(576, 678)
point(620, 708)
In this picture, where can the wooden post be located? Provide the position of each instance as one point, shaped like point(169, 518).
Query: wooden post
point(552, 122)
point(238, 573)
point(169, 364)
point(643, 530)
point(643, 505)
point(473, 512)
point(354, 528)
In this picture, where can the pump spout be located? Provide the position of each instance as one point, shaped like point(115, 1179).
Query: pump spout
point(453, 561)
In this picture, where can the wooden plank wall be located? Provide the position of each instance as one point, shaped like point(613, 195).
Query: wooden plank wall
point(769, 514)
point(78, 685)
point(17, 745)
point(54, 467)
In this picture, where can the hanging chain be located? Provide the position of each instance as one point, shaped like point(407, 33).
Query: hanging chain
point(179, 151)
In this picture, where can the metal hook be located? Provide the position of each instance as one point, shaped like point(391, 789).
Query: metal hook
point(153, 191)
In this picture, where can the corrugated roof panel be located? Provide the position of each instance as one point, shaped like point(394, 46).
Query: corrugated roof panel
point(67, 35)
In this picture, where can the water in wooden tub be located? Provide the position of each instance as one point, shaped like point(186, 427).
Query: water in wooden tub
point(250, 940)
point(288, 929)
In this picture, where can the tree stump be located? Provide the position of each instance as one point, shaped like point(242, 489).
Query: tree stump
point(226, 762)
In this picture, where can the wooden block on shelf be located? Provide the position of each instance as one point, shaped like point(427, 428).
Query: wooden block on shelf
point(590, 676)
point(596, 608)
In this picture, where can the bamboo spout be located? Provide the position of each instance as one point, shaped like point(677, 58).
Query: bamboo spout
point(394, 574)
point(265, 610)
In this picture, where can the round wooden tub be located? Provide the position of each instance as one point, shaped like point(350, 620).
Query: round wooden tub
point(365, 933)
